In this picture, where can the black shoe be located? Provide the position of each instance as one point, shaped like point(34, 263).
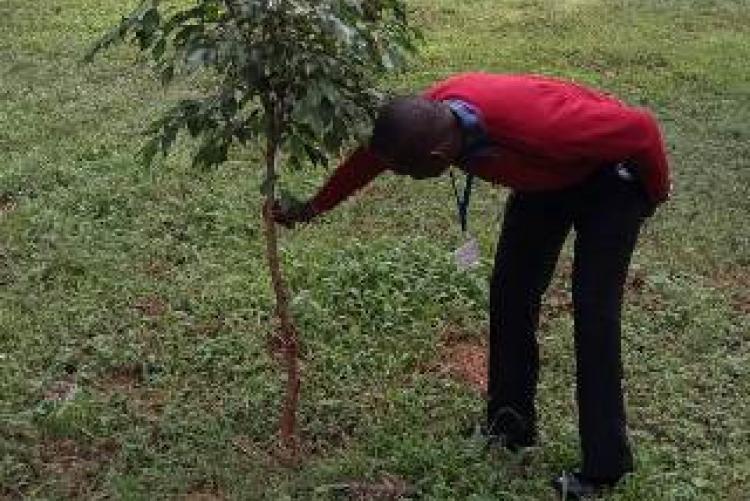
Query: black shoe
point(513, 444)
point(494, 437)
point(508, 429)
point(573, 485)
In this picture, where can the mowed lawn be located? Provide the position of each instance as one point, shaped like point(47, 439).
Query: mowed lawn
point(134, 303)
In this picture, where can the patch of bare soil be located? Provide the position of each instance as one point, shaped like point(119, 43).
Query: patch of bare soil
point(61, 390)
point(151, 306)
point(123, 377)
point(128, 380)
point(735, 281)
point(157, 268)
point(7, 204)
point(209, 494)
point(557, 303)
point(466, 362)
point(637, 282)
point(73, 465)
point(463, 357)
point(388, 488)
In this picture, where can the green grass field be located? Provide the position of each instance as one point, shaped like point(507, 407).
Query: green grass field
point(134, 303)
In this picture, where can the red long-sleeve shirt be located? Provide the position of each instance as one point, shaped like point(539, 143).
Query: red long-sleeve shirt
point(546, 134)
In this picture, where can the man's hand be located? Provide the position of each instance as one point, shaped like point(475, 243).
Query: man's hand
point(289, 216)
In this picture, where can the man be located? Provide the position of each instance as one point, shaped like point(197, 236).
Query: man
point(574, 158)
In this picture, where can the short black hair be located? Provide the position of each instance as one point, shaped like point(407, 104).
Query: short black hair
point(406, 126)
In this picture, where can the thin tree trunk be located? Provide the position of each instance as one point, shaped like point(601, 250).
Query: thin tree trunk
point(288, 335)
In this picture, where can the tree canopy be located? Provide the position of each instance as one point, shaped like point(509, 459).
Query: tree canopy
point(300, 72)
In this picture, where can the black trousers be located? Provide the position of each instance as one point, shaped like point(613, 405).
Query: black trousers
point(606, 211)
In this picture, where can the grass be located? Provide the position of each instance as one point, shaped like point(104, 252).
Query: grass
point(134, 303)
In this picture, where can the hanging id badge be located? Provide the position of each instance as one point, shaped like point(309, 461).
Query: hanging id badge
point(467, 255)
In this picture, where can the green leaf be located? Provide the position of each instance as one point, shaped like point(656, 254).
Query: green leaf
point(149, 151)
point(167, 74)
point(213, 151)
point(159, 48)
point(150, 19)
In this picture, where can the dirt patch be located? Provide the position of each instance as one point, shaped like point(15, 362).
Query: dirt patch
point(741, 302)
point(462, 357)
point(73, 465)
point(204, 495)
point(7, 204)
point(556, 303)
point(151, 306)
point(129, 380)
point(388, 488)
point(466, 362)
point(735, 282)
point(123, 377)
point(156, 268)
point(62, 390)
point(637, 282)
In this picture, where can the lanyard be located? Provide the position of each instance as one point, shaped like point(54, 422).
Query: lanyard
point(463, 203)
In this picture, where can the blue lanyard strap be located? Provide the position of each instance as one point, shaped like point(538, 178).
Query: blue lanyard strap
point(463, 203)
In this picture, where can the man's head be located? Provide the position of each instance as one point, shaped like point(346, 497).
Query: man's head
point(416, 136)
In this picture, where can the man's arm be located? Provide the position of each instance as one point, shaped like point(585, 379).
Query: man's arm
point(355, 172)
